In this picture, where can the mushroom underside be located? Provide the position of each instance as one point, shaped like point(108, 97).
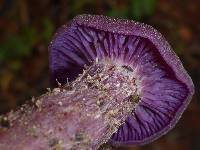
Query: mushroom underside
point(160, 92)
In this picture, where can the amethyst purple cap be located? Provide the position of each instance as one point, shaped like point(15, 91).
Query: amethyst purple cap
point(164, 87)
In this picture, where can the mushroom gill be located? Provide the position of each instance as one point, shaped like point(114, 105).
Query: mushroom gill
point(163, 87)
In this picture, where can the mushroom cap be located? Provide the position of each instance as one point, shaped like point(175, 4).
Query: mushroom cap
point(165, 89)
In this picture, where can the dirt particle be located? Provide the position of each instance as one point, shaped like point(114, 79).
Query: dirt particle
point(4, 122)
point(128, 68)
point(33, 99)
point(49, 90)
point(56, 90)
point(38, 103)
point(79, 136)
point(135, 98)
point(53, 142)
point(60, 103)
point(32, 131)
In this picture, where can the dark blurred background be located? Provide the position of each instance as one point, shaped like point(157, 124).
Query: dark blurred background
point(27, 26)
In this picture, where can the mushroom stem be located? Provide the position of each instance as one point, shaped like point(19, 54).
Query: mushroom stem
point(81, 115)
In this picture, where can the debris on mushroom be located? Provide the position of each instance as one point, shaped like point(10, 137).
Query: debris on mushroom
point(163, 89)
point(83, 117)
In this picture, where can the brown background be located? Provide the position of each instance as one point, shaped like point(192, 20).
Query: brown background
point(26, 27)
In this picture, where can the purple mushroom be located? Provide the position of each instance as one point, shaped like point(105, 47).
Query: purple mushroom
point(163, 89)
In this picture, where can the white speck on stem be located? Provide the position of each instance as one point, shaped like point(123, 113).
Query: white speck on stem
point(60, 103)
